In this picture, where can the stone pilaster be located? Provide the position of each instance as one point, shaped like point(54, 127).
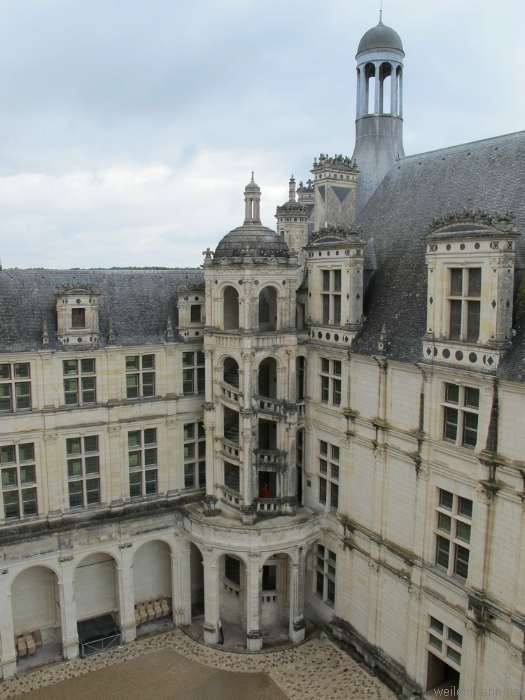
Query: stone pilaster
point(297, 581)
point(68, 607)
point(211, 597)
point(126, 594)
point(253, 604)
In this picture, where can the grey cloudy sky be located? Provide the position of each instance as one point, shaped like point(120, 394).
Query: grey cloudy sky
point(128, 128)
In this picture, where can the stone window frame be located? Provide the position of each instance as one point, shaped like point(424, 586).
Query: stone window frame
point(329, 472)
point(15, 387)
point(444, 642)
point(83, 471)
point(140, 376)
point(143, 462)
point(453, 532)
point(331, 381)
point(80, 381)
point(331, 301)
point(463, 302)
point(325, 574)
point(194, 446)
point(19, 481)
point(461, 415)
point(193, 372)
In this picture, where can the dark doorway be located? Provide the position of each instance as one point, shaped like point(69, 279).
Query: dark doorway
point(442, 677)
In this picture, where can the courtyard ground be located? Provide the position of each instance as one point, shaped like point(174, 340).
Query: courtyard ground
point(174, 666)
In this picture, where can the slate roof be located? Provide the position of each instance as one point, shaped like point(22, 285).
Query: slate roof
point(138, 303)
point(262, 241)
point(488, 174)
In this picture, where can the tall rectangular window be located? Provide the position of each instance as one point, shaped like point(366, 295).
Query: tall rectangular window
point(142, 461)
point(328, 460)
point(331, 381)
point(140, 376)
point(17, 463)
point(15, 387)
point(79, 382)
point(464, 303)
point(192, 373)
point(453, 532)
point(83, 471)
point(325, 572)
point(78, 318)
point(194, 456)
point(331, 296)
point(461, 412)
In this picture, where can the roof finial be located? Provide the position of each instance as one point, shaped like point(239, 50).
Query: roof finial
point(381, 12)
point(252, 176)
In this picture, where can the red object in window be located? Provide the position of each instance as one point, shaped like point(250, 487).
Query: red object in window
point(265, 491)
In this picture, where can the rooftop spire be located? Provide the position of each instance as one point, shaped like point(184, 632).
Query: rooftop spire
point(252, 203)
point(381, 12)
point(291, 190)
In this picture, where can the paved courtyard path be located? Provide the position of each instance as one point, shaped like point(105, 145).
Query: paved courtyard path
point(173, 666)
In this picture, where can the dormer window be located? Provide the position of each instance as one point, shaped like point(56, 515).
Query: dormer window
point(78, 318)
point(465, 304)
point(331, 297)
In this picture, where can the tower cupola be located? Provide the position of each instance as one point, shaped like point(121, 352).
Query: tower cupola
point(252, 203)
point(379, 108)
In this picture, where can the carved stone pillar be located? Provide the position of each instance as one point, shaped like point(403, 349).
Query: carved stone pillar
point(181, 582)
point(68, 608)
point(297, 579)
point(8, 658)
point(211, 597)
point(253, 604)
point(126, 595)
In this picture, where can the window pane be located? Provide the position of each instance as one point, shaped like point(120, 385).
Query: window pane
point(335, 452)
point(91, 443)
point(151, 482)
point(455, 319)
point(451, 393)
point(463, 531)
point(29, 502)
point(134, 438)
point(132, 386)
point(437, 643)
point(334, 471)
point(187, 359)
point(11, 509)
point(443, 549)
point(472, 397)
point(451, 424)
point(7, 454)
point(5, 371)
point(330, 592)
point(5, 397)
point(150, 457)
point(323, 466)
point(132, 363)
point(325, 366)
point(75, 494)
point(456, 282)
point(465, 507)
point(337, 392)
point(436, 625)
point(187, 381)
point(189, 431)
point(455, 637)
point(23, 395)
point(26, 452)
point(88, 390)
point(322, 490)
point(454, 655)
point(337, 280)
point(444, 522)
point(319, 584)
point(334, 496)
point(78, 317)
point(461, 562)
point(323, 447)
point(326, 280)
point(70, 366)
point(326, 308)
point(73, 446)
point(93, 491)
point(134, 460)
point(445, 499)
point(200, 359)
point(148, 361)
point(473, 314)
point(74, 467)
point(150, 436)
point(27, 475)
point(9, 478)
point(474, 282)
point(325, 389)
point(189, 451)
point(135, 485)
point(337, 309)
point(470, 433)
point(200, 430)
point(148, 384)
point(189, 476)
point(91, 464)
point(200, 381)
point(22, 370)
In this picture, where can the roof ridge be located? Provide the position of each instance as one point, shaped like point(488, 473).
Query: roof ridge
point(460, 146)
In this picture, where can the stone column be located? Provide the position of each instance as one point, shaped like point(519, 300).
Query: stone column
point(377, 86)
point(297, 579)
point(7, 633)
point(253, 604)
point(126, 595)
point(211, 596)
point(68, 608)
point(181, 582)
point(393, 82)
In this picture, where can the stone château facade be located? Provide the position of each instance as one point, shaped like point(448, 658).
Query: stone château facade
point(326, 420)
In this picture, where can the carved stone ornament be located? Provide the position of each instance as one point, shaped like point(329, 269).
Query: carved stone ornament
point(504, 222)
point(70, 288)
point(45, 335)
point(170, 335)
point(343, 233)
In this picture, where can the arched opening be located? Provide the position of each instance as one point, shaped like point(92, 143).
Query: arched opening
point(267, 434)
point(231, 425)
point(231, 372)
point(385, 93)
point(370, 92)
point(96, 587)
point(197, 581)
point(232, 591)
point(152, 587)
point(268, 309)
point(37, 623)
point(268, 378)
point(275, 609)
point(231, 309)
